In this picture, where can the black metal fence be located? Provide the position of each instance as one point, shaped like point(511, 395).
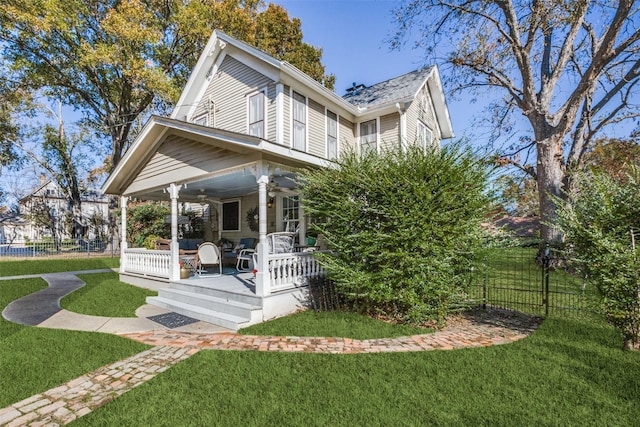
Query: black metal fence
point(62, 249)
point(518, 279)
point(513, 278)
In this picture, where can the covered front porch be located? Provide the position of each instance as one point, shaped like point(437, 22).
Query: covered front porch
point(244, 188)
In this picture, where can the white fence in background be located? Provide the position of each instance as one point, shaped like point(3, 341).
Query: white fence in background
point(62, 249)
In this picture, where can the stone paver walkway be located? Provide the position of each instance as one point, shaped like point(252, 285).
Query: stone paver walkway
point(63, 404)
point(78, 397)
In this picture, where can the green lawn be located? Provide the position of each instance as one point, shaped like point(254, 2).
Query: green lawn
point(514, 280)
point(332, 324)
point(570, 372)
point(32, 360)
point(105, 295)
point(40, 266)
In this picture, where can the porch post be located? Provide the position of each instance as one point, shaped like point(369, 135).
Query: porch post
point(123, 233)
point(262, 274)
point(302, 224)
point(174, 269)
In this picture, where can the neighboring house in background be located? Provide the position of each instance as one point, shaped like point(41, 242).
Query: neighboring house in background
point(19, 228)
point(245, 125)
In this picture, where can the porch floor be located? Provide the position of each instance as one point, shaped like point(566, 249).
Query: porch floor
point(230, 281)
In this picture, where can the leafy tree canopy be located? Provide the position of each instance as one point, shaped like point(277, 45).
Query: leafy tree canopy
point(570, 68)
point(118, 61)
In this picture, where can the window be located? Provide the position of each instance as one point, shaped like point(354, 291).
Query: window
point(290, 219)
point(424, 136)
point(299, 122)
point(201, 119)
point(256, 115)
point(368, 136)
point(332, 135)
point(231, 216)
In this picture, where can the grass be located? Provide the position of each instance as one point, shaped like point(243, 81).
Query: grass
point(105, 295)
point(41, 266)
point(570, 372)
point(33, 360)
point(332, 324)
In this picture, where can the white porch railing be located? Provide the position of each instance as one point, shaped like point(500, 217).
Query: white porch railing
point(292, 270)
point(285, 271)
point(147, 262)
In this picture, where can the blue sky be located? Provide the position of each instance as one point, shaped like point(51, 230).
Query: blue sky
point(352, 34)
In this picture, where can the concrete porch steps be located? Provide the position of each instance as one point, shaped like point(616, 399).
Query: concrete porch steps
point(227, 320)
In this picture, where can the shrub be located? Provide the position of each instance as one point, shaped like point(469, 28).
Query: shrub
point(401, 227)
point(146, 219)
point(150, 241)
point(601, 222)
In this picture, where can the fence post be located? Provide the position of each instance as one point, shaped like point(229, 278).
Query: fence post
point(484, 284)
point(545, 278)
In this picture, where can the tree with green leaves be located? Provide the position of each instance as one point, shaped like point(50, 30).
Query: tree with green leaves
point(401, 226)
point(119, 61)
point(601, 221)
point(569, 68)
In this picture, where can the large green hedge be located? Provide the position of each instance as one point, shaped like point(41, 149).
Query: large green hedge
point(601, 222)
point(401, 227)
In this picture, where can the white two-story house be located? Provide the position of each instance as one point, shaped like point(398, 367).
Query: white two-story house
point(244, 125)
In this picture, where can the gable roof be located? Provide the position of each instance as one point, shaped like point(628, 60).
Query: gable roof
point(392, 90)
point(384, 95)
point(399, 90)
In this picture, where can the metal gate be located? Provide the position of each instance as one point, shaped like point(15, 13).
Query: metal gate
point(514, 278)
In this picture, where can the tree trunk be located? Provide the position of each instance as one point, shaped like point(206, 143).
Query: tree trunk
point(550, 175)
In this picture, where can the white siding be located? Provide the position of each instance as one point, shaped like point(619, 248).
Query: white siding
point(346, 135)
point(187, 159)
point(389, 131)
point(228, 90)
point(316, 127)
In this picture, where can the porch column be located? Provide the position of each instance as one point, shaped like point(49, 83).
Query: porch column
point(302, 224)
point(174, 269)
point(123, 233)
point(262, 274)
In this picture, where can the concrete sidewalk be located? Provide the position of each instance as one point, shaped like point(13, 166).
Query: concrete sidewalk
point(43, 309)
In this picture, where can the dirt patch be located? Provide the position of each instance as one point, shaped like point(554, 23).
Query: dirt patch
point(492, 316)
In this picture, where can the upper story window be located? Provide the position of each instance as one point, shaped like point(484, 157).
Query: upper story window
point(202, 119)
point(424, 135)
point(256, 115)
point(299, 122)
point(368, 136)
point(332, 135)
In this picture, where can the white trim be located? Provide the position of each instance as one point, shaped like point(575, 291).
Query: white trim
point(279, 113)
point(359, 137)
point(265, 113)
point(326, 133)
point(204, 86)
point(419, 124)
point(201, 119)
point(292, 116)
